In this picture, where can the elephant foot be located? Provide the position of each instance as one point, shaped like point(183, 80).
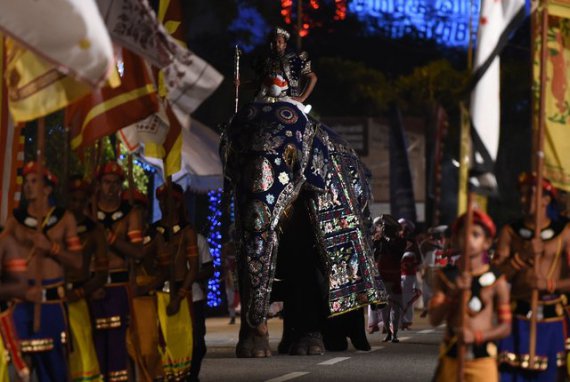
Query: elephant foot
point(308, 344)
point(287, 339)
point(335, 342)
point(255, 344)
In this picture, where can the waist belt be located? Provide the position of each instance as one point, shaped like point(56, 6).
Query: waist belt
point(53, 293)
point(118, 277)
point(473, 351)
point(74, 285)
point(166, 286)
point(551, 308)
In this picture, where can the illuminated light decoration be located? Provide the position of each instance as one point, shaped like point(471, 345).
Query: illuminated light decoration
point(214, 298)
point(287, 10)
point(445, 21)
point(304, 30)
point(247, 37)
point(340, 10)
point(314, 4)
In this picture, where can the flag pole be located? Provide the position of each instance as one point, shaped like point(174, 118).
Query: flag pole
point(237, 55)
point(65, 172)
point(539, 147)
point(40, 155)
point(465, 265)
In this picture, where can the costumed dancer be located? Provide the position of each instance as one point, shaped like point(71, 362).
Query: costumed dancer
point(515, 254)
point(43, 339)
point(174, 301)
point(111, 312)
point(489, 297)
point(409, 266)
point(83, 284)
point(13, 285)
point(142, 338)
point(432, 249)
point(374, 313)
point(392, 247)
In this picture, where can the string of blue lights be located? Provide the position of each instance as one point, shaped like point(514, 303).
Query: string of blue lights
point(214, 298)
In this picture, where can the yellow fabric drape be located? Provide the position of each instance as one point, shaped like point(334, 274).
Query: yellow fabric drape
point(177, 333)
point(83, 364)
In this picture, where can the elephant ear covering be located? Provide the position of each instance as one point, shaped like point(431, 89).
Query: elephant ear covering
point(343, 228)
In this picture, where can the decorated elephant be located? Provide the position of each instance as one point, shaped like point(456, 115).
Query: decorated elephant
point(301, 196)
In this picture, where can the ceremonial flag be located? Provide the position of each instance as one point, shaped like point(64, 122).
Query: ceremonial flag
point(107, 110)
point(187, 78)
point(12, 156)
point(498, 20)
point(556, 93)
point(402, 202)
point(35, 87)
point(201, 168)
point(161, 136)
point(69, 34)
point(133, 25)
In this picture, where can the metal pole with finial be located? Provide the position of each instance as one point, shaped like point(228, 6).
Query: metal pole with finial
point(542, 21)
point(237, 54)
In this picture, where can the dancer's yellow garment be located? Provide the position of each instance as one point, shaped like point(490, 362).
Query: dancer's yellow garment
point(476, 370)
point(142, 339)
point(4, 376)
point(177, 333)
point(83, 364)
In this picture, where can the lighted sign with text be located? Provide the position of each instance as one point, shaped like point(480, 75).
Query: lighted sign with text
point(445, 21)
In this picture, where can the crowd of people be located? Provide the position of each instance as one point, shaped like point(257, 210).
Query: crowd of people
point(487, 309)
point(92, 292)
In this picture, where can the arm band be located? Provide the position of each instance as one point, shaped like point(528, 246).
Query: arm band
point(16, 265)
point(478, 337)
point(163, 259)
point(438, 300)
point(55, 249)
point(505, 314)
point(191, 251)
point(517, 263)
point(73, 243)
point(135, 236)
point(111, 238)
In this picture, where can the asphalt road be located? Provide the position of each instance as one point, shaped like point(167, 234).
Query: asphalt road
point(413, 359)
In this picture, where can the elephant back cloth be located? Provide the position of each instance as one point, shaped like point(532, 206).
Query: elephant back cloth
point(272, 152)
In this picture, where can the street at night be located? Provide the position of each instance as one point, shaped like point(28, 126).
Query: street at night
point(284, 190)
point(413, 359)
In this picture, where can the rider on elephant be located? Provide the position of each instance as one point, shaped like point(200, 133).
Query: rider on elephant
point(282, 64)
point(282, 74)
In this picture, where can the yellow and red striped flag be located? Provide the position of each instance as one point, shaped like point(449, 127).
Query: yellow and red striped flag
point(106, 111)
point(35, 87)
point(12, 157)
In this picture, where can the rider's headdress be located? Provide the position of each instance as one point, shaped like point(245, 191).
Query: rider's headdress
point(281, 32)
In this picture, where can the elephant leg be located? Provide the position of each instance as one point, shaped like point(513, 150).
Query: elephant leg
point(356, 331)
point(304, 303)
point(253, 341)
